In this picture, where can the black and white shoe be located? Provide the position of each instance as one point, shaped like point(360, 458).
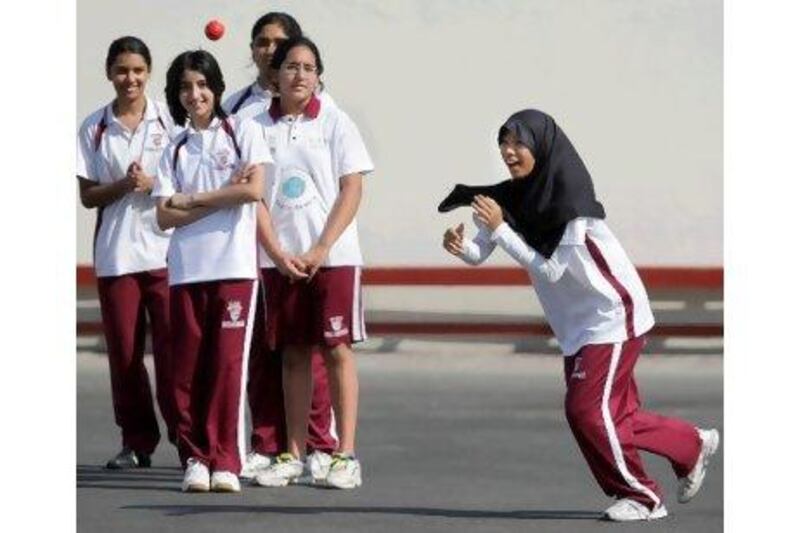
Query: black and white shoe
point(128, 458)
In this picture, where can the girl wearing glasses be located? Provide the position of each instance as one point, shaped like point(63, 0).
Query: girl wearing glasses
point(311, 258)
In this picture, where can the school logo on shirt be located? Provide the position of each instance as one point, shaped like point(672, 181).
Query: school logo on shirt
point(577, 372)
point(293, 187)
point(234, 311)
point(156, 142)
point(222, 159)
point(336, 327)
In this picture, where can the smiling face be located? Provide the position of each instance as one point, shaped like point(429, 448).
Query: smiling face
point(264, 45)
point(298, 77)
point(197, 98)
point(517, 157)
point(129, 74)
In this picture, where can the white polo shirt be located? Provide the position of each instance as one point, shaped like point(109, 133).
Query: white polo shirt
point(223, 244)
point(589, 289)
point(311, 152)
point(127, 237)
point(253, 99)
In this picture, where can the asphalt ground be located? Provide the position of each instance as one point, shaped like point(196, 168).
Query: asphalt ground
point(453, 436)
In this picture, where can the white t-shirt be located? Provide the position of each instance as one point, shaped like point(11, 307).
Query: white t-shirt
point(311, 152)
point(253, 99)
point(127, 238)
point(223, 244)
point(589, 289)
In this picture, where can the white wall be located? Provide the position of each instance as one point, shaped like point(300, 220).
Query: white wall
point(636, 85)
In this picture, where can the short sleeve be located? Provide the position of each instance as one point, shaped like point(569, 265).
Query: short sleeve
point(252, 143)
point(349, 153)
point(84, 167)
point(166, 183)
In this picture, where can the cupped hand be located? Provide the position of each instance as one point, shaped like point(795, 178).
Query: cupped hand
point(141, 182)
point(313, 259)
point(488, 211)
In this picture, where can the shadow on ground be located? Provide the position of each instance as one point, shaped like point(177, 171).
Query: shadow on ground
point(181, 510)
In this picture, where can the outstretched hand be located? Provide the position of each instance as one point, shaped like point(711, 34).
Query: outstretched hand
point(454, 240)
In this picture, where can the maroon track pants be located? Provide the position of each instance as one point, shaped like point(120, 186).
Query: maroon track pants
point(212, 326)
point(265, 397)
point(603, 410)
point(125, 302)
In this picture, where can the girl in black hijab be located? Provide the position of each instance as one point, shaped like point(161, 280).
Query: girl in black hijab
point(546, 217)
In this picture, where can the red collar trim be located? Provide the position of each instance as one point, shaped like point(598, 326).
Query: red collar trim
point(311, 111)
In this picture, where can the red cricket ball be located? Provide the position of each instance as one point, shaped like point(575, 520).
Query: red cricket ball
point(215, 29)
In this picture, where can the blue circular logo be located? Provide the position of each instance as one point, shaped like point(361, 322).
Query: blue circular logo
point(293, 187)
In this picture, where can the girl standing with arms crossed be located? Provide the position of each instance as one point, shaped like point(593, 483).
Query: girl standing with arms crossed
point(119, 147)
point(212, 267)
point(311, 258)
point(548, 220)
point(265, 387)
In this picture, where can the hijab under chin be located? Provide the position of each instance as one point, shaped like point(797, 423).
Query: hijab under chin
point(540, 205)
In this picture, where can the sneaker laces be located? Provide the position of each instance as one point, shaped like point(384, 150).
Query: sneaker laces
point(285, 457)
point(341, 458)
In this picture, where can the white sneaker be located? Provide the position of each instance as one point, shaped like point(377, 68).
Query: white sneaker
point(627, 510)
point(286, 469)
point(224, 481)
point(254, 463)
point(690, 485)
point(318, 464)
point(195, 477)
point(344, 473)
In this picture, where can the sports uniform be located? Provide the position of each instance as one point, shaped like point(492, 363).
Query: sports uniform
point(130, 264)
point(598, 309)
point(312, 152)
point(265, 377)
point(596, 305)
point(212, 276)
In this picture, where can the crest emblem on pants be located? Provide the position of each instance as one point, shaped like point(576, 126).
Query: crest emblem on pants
point(234, 311)
point(577, 372)
point(336, 327)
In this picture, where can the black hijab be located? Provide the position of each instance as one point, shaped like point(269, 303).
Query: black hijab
point(540, 205)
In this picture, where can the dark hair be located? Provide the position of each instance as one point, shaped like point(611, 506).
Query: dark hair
point(127, 45)
point(286, 46)
point(199, 61)
point(284, 20)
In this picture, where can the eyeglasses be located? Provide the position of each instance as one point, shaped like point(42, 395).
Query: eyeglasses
point(295, 68)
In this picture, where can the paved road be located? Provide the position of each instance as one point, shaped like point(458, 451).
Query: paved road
point(453, 437)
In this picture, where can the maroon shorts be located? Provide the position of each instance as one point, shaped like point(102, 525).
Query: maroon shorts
point(326, 311)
